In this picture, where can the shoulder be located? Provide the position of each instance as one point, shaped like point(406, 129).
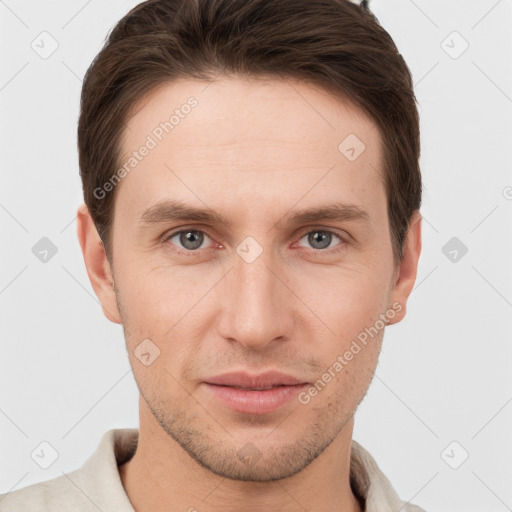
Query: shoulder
point(56, 495)
point(95, 486)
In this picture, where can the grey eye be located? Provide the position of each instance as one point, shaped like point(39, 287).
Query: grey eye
point(190, 239)
point(319, 239)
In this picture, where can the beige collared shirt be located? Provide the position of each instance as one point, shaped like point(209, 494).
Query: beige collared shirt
point(97, 485)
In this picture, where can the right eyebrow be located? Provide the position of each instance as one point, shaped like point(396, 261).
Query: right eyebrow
point(172, 210)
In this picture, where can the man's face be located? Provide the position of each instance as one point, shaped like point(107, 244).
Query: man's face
point(261, 292)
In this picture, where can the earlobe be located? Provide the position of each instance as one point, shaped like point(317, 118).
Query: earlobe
point(406, 277)
point(97, 264)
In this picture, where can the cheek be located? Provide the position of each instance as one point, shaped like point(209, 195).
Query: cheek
point(347, 299)
point(159, 305)
point(350, 306)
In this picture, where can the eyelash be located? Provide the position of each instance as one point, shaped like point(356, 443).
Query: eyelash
point(192, 253)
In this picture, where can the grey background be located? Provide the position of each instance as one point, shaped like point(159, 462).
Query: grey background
point(444, 373)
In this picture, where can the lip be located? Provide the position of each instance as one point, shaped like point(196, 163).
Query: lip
point(233, 390)
point(261, 380)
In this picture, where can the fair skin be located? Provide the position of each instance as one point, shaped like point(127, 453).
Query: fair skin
point(255, 152)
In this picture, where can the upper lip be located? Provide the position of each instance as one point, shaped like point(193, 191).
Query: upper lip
point(261, 380)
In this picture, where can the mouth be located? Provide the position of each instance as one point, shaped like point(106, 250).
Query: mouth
point(254, 394)
point(266, 380)
point(254, 388)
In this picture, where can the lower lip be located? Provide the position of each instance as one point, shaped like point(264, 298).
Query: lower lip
point(254, 402)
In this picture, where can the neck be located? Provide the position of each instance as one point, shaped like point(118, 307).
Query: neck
point(162, 475)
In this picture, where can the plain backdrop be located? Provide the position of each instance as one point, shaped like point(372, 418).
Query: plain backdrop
point(438, 415)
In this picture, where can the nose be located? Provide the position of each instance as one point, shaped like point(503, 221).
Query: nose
point(257, 303)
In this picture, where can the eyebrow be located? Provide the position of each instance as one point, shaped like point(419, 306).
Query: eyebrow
point(173, 210)
point(335, 212)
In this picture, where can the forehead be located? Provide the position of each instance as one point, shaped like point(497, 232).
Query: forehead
point(266, 140)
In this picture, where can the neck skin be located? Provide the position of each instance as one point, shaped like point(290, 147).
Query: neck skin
point(162, 475)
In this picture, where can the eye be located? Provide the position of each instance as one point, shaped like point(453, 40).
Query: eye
point(189, 240)
point(321, 239)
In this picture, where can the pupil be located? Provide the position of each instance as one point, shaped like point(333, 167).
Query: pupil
point(313, 239)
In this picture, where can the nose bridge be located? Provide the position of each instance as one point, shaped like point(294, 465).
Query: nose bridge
point(257, 311)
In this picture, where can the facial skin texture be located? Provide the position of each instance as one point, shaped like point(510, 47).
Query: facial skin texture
point(254, 151)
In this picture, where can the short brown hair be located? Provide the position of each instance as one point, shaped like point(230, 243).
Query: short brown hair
point(334, 44)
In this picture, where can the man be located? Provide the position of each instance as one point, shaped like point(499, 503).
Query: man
point(251, 218)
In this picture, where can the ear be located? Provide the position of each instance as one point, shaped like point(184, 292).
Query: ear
point(405, 275)
point(97, 264)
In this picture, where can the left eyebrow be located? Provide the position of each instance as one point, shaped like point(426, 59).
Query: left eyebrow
point(339, 212)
